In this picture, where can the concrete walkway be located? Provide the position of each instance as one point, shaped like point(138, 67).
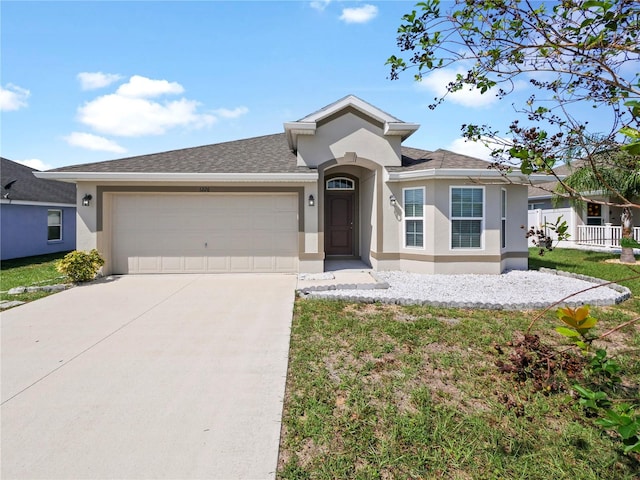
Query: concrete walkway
point(338, 274)
point(167, 376)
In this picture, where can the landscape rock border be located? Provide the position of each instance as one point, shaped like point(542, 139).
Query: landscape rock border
point(623, 294)
point(5, 304)
point(45, 288)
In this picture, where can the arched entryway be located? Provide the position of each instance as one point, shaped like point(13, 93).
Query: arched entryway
point(341, 216)
point(350, 211)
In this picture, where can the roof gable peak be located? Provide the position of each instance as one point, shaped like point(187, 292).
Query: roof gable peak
point(354, 102)
point(307, 125)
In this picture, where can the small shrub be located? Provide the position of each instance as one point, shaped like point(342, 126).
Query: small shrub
point(80, 266)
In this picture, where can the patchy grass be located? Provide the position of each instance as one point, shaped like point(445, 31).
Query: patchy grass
point(30, 271)
point(384, 392)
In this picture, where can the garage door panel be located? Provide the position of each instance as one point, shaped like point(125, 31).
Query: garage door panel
point(171, 264)
point(240, 264)
point(217, 264)
point(285, 264)
point(155, 233)
point(263, 264)
point(148, 264)
point(195, 264)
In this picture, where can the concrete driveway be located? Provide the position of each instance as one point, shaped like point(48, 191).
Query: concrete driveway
point(147, 377)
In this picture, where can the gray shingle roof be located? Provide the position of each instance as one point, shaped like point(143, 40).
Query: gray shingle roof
point(416, 159)
point(29, 188)
point(546, 189)
point(266, 154)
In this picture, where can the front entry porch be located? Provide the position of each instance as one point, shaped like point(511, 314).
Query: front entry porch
point(606, 235)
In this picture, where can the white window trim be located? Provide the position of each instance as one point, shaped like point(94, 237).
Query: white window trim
point(60, 225)
point(504, 202)
point(405, 218)
point(482, 219)
point(353, 184)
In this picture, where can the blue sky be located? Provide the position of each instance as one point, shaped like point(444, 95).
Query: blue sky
point(90, 81)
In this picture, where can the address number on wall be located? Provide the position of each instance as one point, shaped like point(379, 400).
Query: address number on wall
point(204, 189)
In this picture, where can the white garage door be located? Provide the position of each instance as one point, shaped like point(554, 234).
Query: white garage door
point(179, 233)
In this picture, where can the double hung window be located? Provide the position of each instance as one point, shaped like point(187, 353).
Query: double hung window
point(54, 225)
point(413, 217)
point(467, 217)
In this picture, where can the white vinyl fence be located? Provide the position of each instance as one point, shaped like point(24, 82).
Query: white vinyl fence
point(539, 217)
point(607, 235)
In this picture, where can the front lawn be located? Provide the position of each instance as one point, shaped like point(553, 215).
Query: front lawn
point(383, 391)
point(29, 271)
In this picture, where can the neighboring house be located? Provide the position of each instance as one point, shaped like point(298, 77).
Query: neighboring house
point(336, 184)
point(590, 223)
point(37, 216)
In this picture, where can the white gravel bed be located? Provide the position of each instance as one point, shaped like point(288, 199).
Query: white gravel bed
point(513, 290)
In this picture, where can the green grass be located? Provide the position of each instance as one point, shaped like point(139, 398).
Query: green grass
point(30, 271)
point(383, 391)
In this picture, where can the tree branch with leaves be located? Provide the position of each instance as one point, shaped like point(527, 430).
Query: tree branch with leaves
point(571, 52)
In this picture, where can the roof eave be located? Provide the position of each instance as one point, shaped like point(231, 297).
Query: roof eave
point(74, 177)
point(293, 129)
point(477, 175)
point(35, 203)
point(402, 129)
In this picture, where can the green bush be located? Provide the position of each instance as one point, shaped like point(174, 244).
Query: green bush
point(80, 266)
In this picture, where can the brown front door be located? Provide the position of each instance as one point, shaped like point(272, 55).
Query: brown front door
point(339, 223)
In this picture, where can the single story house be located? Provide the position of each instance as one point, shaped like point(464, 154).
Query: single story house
point(37, 216)
point(590, 223)
point(337, 183)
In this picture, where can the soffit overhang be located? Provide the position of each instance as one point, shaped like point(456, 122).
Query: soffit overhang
point(74, 177)
point(480, 176)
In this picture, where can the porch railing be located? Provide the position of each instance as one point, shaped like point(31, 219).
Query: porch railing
point(603, 235)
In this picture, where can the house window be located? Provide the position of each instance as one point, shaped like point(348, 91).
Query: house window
point(54, 225)
point(413, 217)
point(467, 217)
point(503, 218)
point(536, 206)
point(594, 214)
point(340, 183)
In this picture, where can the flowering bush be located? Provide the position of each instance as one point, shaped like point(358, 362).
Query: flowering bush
point(80, 266)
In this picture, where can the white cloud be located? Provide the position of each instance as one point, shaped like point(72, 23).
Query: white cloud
point(93, 142)
point(469, 96)
point(143, 87)
point(477, 149)
point(94, 80)
point(13, 97)
point(235, 113)
point(359, 14)
point(35, 163)
point(320, 5)
point(115, 114)
point(131, 112)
